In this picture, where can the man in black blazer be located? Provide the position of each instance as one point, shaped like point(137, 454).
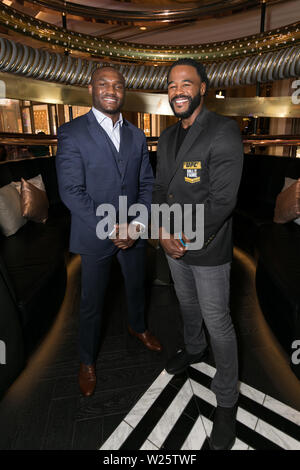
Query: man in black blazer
point(101, 157)
point(199, 161)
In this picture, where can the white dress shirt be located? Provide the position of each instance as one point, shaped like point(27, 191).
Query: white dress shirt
point(112, 130)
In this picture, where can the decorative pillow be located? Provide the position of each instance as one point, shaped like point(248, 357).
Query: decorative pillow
point(37, 181)
point(288, 202)
point(10, 210)
point(34, 202)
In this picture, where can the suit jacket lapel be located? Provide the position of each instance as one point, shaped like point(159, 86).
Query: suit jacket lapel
point(171, 150)
point(197, 127)
point(125, 144)
point(98, 133)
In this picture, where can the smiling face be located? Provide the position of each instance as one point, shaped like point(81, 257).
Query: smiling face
point(108, 91)
point(185, 91)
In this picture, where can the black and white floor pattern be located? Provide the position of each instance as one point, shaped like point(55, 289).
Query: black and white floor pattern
point(175, 413)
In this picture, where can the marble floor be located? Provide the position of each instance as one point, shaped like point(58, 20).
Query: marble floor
point(176, 413)
point(137, 405)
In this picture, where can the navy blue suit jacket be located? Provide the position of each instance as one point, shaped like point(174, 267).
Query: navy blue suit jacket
point(91, 172)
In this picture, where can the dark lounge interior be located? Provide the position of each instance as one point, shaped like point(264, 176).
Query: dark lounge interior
point(45, 68)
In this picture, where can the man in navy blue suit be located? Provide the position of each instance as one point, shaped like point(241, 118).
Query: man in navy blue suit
point(100, 157)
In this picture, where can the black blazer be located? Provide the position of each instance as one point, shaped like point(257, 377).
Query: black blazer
point(207, 170)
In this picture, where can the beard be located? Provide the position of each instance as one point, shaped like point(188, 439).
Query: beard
point(193, 104)
point(112, 111)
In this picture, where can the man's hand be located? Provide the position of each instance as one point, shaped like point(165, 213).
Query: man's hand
point(172, 246)
point(122, 238)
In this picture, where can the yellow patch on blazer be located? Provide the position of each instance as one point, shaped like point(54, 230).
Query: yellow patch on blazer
point(191, 171)
point(192, 180)
point(192, 165)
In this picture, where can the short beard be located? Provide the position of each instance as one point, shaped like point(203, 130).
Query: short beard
point(194, 103)
point(112, 111)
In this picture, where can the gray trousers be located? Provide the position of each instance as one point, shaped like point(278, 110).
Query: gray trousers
point(203, 294)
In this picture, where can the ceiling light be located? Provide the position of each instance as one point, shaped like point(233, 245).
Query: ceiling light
point(220, 94)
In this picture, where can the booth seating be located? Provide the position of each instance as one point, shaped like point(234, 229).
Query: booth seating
point(276, 246)
point(32, 270)
point(261, 182)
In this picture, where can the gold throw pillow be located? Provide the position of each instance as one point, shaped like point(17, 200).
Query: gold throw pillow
point(34, 202)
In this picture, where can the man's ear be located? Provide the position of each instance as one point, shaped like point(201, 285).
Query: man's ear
point(203, 88)
point(90, 88)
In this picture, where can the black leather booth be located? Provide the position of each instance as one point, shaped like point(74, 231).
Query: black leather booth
point(275, 246)
point(32, 270)
point(262, 180)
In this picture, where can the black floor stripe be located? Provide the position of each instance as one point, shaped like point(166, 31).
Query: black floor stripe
point(182, 427)
point(184, 424)
point(254, 439)
point(258, 410)
point(199, 377)
point(191, 410)
point(205, 408)
point(141, 432)
point(205, 445)
point(270, 417)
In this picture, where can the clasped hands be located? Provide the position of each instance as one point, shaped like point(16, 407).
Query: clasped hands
point(125, 235)
point(171, 245)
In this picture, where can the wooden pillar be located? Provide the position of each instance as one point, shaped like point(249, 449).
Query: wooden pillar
point(60, 114)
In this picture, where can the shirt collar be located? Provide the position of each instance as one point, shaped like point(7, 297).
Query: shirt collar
point(101, 117)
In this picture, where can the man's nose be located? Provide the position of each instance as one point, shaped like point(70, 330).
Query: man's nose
point(177, 91)
point(110, 89)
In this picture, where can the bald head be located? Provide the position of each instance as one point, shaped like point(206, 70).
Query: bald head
point(103, 70)
point(107, 88)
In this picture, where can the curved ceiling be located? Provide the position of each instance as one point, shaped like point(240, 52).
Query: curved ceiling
point(159, 10)
point(26, 25)
point(157, 22)
point(244, 56)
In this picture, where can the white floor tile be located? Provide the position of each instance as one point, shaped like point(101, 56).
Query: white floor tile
point(277, 436)
point(173, 412)
point(145, 402)
point(205, 368)
point(251, 393)
point(117, 438)
point(207, 425)
point(204, 393)
point(282, 409)
point(196, 437)
point(245, 389)
point(148, 446)
point(246, 418)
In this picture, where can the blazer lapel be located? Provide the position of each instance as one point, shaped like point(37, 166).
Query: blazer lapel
point(125, 144)
point(97, 133)
point(171, 150)
point(197, 127)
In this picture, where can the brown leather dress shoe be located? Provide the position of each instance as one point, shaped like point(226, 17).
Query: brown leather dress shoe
point(147, 338)
point(87, 379)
